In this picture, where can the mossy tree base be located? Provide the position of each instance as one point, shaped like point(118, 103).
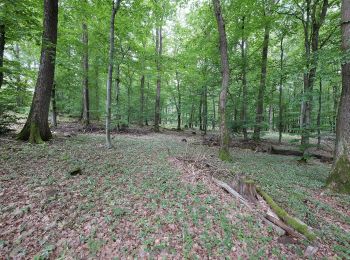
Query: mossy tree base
point(31, 132)
point(339, 180)
point(225, 155)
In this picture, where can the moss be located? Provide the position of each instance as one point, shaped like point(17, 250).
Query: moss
point(339, 179)
point(290, 221)
point(225, 155)
point(34, 136)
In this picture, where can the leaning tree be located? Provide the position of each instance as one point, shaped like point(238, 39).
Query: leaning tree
point(339, 180)
point(37, 129)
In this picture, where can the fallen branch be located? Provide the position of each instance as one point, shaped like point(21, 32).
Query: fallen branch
point(283, 226)
point(293, 152)
point(287, 219)
point(230, 190)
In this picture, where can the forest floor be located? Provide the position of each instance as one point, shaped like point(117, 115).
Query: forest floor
point(152, 195)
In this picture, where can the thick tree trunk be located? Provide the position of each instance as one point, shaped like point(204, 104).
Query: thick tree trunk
point(159, 47)
point(224, 134)
point(339, 179)
point(115, 9)
point(37, 129)
point(86, 109)
point(54, 107)
point(260, 101)
point(2, 49)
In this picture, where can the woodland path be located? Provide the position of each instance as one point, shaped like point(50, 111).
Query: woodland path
point(147, 197)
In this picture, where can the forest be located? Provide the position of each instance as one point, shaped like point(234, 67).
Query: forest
point(174, 129)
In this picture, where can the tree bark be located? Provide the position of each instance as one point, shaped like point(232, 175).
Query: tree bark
point(205, 110)
point(97, 91)
point(312, 25)
point(179, 102)
point(319, 115)
point(244, 82)
point(280, 115)
point(224, 134)
point(2, 49)
point(159, 48)
point(19, 88)
point(260, 101)
point(54, 107)
point(37, 129)
point(142, 100)
point(339, 179)
point(115, 9)
point(86, 105)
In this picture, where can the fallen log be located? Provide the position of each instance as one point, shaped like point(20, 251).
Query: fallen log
point(287, 219)
point(283, 226)
point(294, 152)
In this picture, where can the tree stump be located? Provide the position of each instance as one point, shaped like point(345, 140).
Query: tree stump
point(247, 189)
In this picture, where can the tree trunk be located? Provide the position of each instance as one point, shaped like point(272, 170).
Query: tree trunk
point(19, 88)
point(280, 115)
point(146, 103)
point(159, 47)
point(115, 9)
point(319, 115)
point(200, 111)
point(224, 134)
point(339, 179)
point(244, 82)
point(37, 129)
point(260, 101)
point(2, 49)
point(312, 26)
point(86, 109)
point(214, 113)
point(179, 102)
point(205, 110)
point(142, 100)
point(97, 91)
point(54, 107)
point(335, 106)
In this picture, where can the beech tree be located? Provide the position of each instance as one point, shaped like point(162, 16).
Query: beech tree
point(115, 8)
point(36, 128)
point(339, 178)
point(225, 70)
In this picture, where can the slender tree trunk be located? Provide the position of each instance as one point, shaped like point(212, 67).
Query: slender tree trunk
point(146, 103)
point(319, 115)
point(97, 91)
point(159, 47)
point(244, 82)
point(86, 105)
point(179, 102)
point(339, 178)
point(280, 115)
point(205, 110)
point(54, 107)
point(260, 101)
point(271, 111)
point(224, 134)
point(335, 107)
point(312, 26)
point(37, 129)
point(214, 113)
point(142, 100)
point(19, 94)
point(129, 98)
point(2, 49)
point(115, 8)
point(200, 111)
